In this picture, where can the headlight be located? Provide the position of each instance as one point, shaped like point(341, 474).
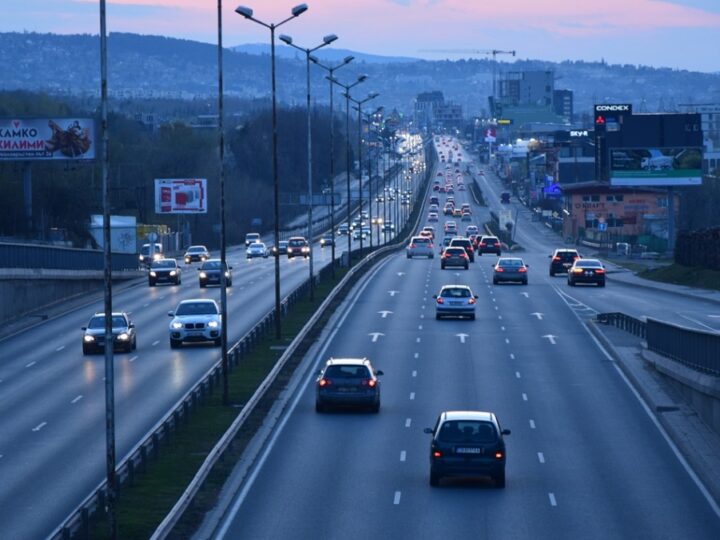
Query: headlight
point(177, 325)
point(227, 274)
point(88, 339)
point(152, 274)
point(203, 275)
point(173, 272)
point(123, 337)
point(157, 256)
point(213, 324)
point(306, 249)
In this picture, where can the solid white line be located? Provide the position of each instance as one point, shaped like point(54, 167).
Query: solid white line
point(155, 343)
point(517, 374)
point(699, 323)
point(524, 396)
point(40, 426)
point(541, 458)
point(408, 421)
point(512, 356)
point(60, 348)
point(134, 358)
point(403, 455)
point(412, 395)
point(396, 500)
point(76, 400)
point(414, 373)
point(553, 502)
point(532, 424)
point(31, 364)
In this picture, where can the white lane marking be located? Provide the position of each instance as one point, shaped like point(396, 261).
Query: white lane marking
point(553, 502)
point(396, 500)
point(532, 424)
point(403, 455)
point(161, 297)
point(414, 373)
point(155, 343)
point(408, 421)
point(517, 374)
point(541, 457)
point(420, 327)
point(60, 348)
point(550, 337)
point(538, 315)
point(424, 298)
point(40, 426)
point(499, 317)
point(502, 328)
point(393, 293)
point(423, 307)
point(401, 274)
point(507, 341)
point(493, 299)
point(417, 355)
point(698, 322)
point(375, 336)
point(31, 364)
point(422, 315)
point(526, 295)
point(417, 340)
point(524, 396)
point(512, 356)
point(462, 337)
point(134, 358)
point(146, 305)
point(412, 395)
point(384, 314)
point(496, 308)
point(76, 400)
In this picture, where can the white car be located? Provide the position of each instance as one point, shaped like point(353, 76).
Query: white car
point(256, 249)
point(195, 320)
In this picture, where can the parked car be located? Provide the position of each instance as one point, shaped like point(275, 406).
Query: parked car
point(562, 259)
point(489, 244)
point(123, 333)
point(164, 271)
point(586, 271)
point(209, 273)
point(195, 321)
point(466, 443)
point(455, 301)
point(510, 269)
point(256, 249)
point(420, 246)
point(345, 382)
point(196, 254)
point(252, 237)
point(298, 247)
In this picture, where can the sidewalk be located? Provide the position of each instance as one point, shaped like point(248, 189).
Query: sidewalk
point(696, 441)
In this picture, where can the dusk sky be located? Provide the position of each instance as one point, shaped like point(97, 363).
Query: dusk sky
point(682, 34)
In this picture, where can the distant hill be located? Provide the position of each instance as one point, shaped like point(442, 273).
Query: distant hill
point(160, 67)
point(329, 54)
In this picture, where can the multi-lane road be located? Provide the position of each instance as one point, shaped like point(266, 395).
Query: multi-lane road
point(585, 457)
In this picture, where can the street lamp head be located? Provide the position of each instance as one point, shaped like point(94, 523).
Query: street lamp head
point(285, 39)
point(299, 10)
point(361, 78)
point(244, 11)
point(327, 40)
point(348, 59)
point(373, 95)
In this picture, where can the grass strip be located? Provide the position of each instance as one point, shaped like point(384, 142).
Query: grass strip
point(678, 274)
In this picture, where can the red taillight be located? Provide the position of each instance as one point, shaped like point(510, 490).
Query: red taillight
point(498, 455)
point(440, 300)
point(412, 246)
point(371, 383)
point(464, 255)
point(436, 454)
point(556, 259)
point(599, 270)
point(483, 244)
point(522, 269)
point(499, 269)
point(323, 382)
point(471, 301)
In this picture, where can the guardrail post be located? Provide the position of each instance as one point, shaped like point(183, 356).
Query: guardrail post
point(156, 445)
point(131, 471)
point(84, 523)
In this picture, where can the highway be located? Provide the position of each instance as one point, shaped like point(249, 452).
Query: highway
point(585, 457)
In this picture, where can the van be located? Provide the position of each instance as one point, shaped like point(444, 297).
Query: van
point(251, 237)
point(150, 253)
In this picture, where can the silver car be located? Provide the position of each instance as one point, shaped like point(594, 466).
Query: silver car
point(256, 249)
point(455, 301)
point(420, 246)
point(195, 320)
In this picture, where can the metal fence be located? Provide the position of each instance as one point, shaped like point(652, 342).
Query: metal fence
point(630, 324)
point(61, 258)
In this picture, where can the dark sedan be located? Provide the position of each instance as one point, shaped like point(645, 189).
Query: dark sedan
point(209, 273)
point(348, 382)
point(510, 269)
point(586, 271)
point(164, 271)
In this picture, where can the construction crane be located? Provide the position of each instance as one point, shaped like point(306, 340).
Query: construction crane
point(493, 52)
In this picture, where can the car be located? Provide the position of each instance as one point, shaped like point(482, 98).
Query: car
point(298, 247)
point(562, 259)
point(195, 320)
point(450, 227)
point(467, 443)
point(455, 301)
point(280, 249)
point(461, 187)
point(420, 246)
point(327, 240)
point(449, 189)
point(510, 269)
point(465, 207)
point(436, 187)
point(256, 249)
point(430, 229)
point(450, 200)
point(209, 273)
point(434, 201)
point(448, 209)
point(457, 212)
point(388, 226)
point(454, 256)
point(445, 243)
point(342, 229)
point(196, 254)
point(252, 237)
point(466, 216)
point(489, 244)
point(432, 217)
point(150, 253)
point(345, 382)
point(586, 271)
point(466, 244)
point(123, 333)
point(361, 232)
point(471, 229)
point(164, 271)
point(441, 189)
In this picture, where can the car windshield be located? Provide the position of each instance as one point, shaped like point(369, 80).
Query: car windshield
point(421, 240)
point(463, 242)
point(455, 292)
point(296, 243)
point(211, 265)
point(565, 255)
point(196, 249)
point(196, 308)
point(346, 372)
point(454, 251)
point(99, 322)
point(467, 431)
point(164, 263)
point(587, 263)
point(510, 263)
point(490, 240)
point(257, 245)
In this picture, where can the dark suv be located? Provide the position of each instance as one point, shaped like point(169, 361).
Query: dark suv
point(489, 244)
point(123, 333)
point(562, 260)
point(348, 382)
point(467, 443)
point(464, 243)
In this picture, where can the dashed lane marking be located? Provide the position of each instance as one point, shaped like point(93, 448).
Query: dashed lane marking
point(507, 341)
point(412, 395)
point(417, 355)
point(60, 348)
point(134, 358)
point(155, 343)
point(524, 396)
point(512, 356)
point(414, 373)
point(408, 421)
point(517, 374)
point(40, 426)
point(396, 500)
point(403, 455)
point(74, 401)
point(541, 457)
point(31, 364)
point(532, 424)
point(553, 502)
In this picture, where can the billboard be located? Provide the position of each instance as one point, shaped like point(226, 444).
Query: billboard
point(678, 166)
point(181, 196)
point(29, 139)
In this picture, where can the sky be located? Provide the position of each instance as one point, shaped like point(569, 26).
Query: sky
point(680, 34)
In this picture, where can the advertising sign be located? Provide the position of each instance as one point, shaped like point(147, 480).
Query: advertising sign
point(29, 139)
point(181, 196)
point(490, 134)
point(656, 166)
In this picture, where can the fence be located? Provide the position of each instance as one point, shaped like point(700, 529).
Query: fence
point(61, 258)
point(630, 324)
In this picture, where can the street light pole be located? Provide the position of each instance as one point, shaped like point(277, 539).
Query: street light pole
point(248, 14)
point(327, 40)
point(331, 70)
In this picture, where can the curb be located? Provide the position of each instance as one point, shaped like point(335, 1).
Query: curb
point(648, 284)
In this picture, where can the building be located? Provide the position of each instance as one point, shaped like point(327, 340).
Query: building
point(449, 116)
point(528, 99)
point(563, 104)
point(426, 105)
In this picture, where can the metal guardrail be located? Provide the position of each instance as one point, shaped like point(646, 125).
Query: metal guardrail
point(630, 324)
point(697, 349)
point(14, 255)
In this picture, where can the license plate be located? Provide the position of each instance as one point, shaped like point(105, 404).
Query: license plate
point(456, 303)
point(468, 450)
point(567, 265)
point(346, 389)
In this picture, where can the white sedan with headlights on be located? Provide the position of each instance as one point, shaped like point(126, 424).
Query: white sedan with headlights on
point(195, 321)
point(256, 249)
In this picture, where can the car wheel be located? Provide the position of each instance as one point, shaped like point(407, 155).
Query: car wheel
point(217, 342)
point(434, 478)
point(202, 285)
point(472, 317)
point(134, 344)
point(178, 281)
point(129, 348)
point(175, 344)
point(500, 480)
point(552, 274)
point(409, 256)
point(86, 350)
point(319, 407)
point(432, 255)
point(525, 282)
point(229, 283)
point(151, 283)
point(442, 267)
point(376, 407)
point(467, 266)
point(571, 283)
point(438, 317)
point(495, 282)
point(601, 284)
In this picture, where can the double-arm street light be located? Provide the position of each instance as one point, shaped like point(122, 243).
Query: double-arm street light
point(331, 70)
point(248, 14)
point(327, 40)
point(359, 103)
point(347, 88)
